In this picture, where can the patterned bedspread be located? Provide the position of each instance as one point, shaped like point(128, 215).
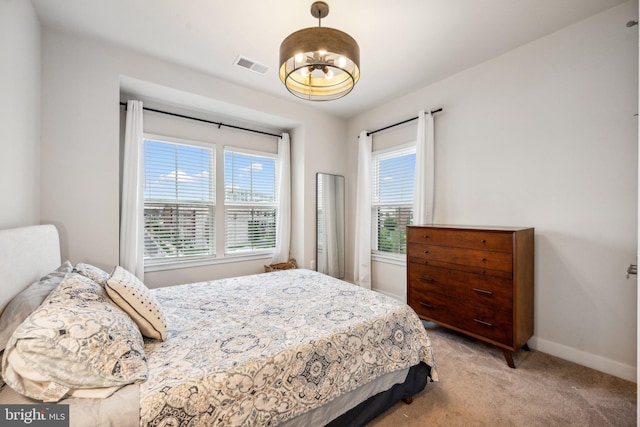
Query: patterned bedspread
point(258, 350)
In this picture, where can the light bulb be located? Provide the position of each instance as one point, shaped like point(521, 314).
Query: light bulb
point(304, 71)
point(342, 61)
point(299, 57)
point(322, 52)
point(329, 74)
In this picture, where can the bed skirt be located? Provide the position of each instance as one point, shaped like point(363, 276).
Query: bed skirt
point(369, 409)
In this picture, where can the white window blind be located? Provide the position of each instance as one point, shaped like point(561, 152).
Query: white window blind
point(250, 201)
point(392, 199)
point(179, 201)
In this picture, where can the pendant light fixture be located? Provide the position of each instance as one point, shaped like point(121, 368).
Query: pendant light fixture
point(319, 64)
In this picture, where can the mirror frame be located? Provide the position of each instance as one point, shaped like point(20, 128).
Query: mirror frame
point(340, 242)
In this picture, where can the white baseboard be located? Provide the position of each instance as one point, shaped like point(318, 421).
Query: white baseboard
point(599, 363)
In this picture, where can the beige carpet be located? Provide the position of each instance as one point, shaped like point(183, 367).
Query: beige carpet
point(477, 388)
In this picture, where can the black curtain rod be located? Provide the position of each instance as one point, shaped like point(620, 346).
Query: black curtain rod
point(400, 123)
point(206, 121)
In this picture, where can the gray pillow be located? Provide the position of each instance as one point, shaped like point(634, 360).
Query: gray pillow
point(25, 303)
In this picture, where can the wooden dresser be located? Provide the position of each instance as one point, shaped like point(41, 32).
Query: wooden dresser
point(476, 280)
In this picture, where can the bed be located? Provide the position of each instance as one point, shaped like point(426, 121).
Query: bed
point(289, 348)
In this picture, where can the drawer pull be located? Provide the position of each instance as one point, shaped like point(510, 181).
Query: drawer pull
point(483, 241)
point(426, 252)
point(483, 259)
point(483, 291)
point(428, 279)
point(483, 322)
point(426, 236)
point(424, 304)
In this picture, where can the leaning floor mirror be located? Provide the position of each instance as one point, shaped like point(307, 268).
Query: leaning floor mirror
point(330, 224)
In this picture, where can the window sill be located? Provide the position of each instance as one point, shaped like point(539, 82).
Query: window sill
point(389, 259)
point(172, 265)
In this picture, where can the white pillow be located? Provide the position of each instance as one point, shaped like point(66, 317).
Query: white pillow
point(134, 297)
point(76, 341)
point(94, 273)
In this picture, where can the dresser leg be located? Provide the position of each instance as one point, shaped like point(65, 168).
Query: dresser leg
point(408, 400)
point(525, 347)
point(508, 356)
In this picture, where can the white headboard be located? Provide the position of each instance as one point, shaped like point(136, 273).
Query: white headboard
point(26, 254)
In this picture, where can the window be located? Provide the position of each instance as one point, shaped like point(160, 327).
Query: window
point(250, 201)
point(392, 176)
point(179, 200)
point(180, 209)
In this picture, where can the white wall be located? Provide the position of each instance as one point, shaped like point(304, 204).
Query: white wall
point(328, 155)
point(545, 136)
point(19, 114)
point(81, 138)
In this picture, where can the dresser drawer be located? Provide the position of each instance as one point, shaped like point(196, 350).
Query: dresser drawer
point(429, 305)
point(483, 321)
point(501, 261)
point(429, 279)
point(459, 267)
point(493, 292)
point(483, 240)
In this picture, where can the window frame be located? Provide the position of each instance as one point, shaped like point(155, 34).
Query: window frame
point(217, 176)
point(155, 264)
point(225, 205)
point(376, 255)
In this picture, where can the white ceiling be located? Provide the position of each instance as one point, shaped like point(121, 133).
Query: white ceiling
point(404, 44)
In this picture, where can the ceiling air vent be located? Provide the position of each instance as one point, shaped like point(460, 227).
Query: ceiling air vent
point(251, 65)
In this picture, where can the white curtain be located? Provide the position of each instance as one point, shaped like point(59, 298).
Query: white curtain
point(423, 186)
point(132, 214)
point(283, 218)
point(362, 261)
point(339, 213)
